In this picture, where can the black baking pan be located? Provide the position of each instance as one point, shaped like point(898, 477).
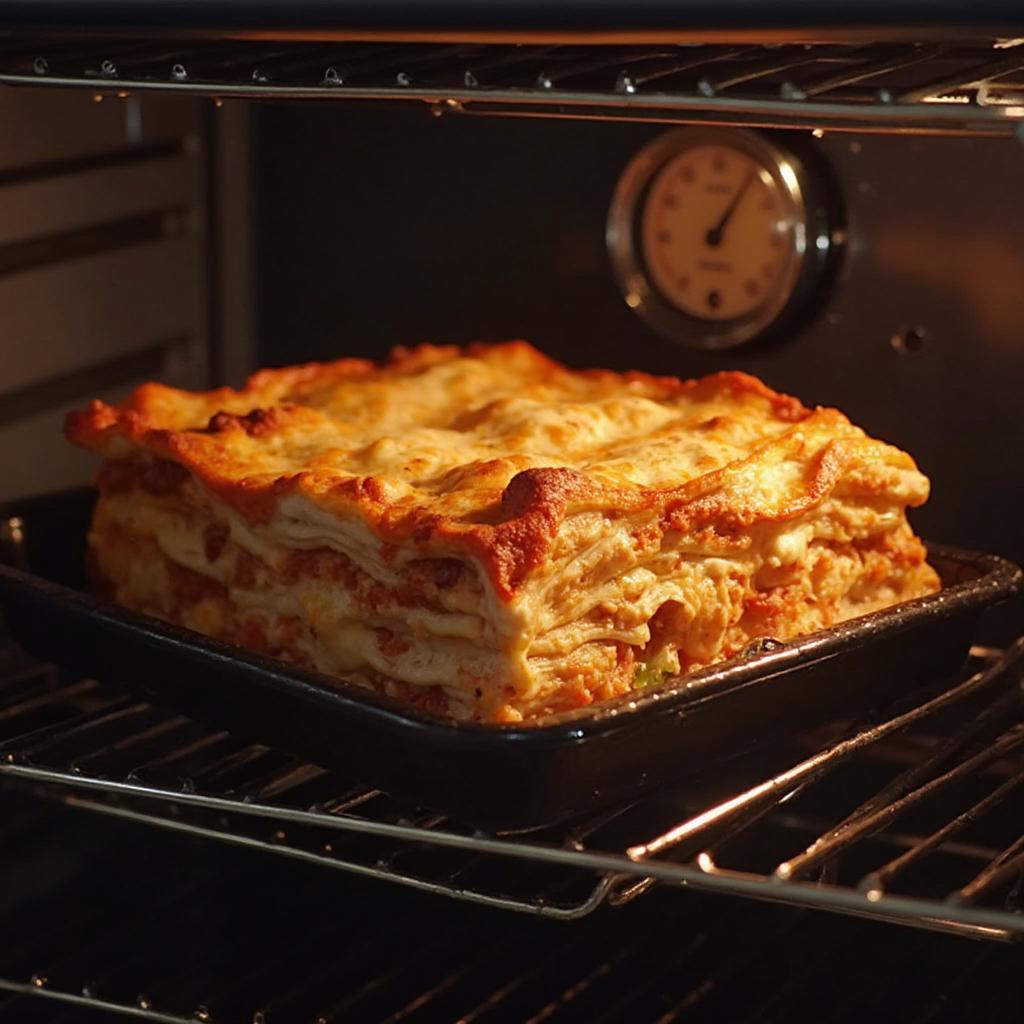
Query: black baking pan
point(495, 777)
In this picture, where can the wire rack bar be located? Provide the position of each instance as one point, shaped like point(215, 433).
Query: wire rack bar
point(32, 988)
point(379, 870)
point(837, 840)
point(773, 790)
point(958, 87)
point(876, 881)
point(863, 71)
point(1007, 865)
point(966, 79)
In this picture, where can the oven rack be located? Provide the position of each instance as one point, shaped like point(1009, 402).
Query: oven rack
point(973, 87)
point(850, 823)
point(207, 945)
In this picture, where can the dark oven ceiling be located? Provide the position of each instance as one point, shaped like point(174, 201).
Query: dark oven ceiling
point(657, 21)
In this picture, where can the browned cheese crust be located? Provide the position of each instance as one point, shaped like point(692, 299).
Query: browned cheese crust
point(491, 535)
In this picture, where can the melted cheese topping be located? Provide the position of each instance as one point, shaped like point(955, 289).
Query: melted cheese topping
point(597, 520)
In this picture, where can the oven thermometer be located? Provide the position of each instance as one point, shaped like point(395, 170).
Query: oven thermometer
point(718, 235)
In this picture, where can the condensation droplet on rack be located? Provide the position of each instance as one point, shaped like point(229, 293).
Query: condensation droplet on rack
point(179, 72)
point(40, 65)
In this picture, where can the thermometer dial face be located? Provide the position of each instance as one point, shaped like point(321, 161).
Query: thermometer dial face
point(713, 236)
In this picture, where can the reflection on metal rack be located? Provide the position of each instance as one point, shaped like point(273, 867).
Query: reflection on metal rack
point(960, 87)
point(763, 828)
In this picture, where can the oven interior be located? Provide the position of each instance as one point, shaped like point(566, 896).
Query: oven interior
point(190, 207)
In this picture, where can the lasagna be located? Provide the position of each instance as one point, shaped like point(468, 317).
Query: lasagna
point(491, 536)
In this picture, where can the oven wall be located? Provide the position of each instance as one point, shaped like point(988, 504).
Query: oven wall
point(104, 278)
point(384, 226)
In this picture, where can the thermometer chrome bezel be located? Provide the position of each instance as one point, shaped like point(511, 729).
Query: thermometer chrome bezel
point(808, 234)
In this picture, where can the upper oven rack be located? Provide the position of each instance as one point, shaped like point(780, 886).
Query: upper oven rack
point(958, 86)
point(834, 825)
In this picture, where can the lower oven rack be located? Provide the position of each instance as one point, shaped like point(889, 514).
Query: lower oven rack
point(907, 819)
point(204, 946)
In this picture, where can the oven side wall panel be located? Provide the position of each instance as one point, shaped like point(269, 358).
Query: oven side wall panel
point(103, 266)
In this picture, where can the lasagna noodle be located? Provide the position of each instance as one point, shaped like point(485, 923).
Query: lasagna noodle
point(492, 536)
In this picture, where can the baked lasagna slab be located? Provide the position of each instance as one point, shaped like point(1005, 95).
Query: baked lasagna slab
point(491, 536)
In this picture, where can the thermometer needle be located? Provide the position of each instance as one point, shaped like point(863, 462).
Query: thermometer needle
point(714, 235)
